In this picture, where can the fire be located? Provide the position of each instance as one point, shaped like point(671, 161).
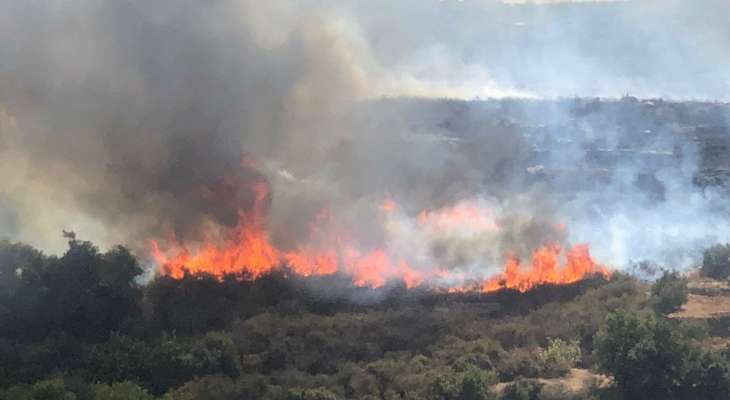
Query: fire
point(465, 215)
point(545, 269)
point(246, 250)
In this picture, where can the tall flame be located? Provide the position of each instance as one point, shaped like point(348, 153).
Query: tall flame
point(545, 269)
point(246, 250)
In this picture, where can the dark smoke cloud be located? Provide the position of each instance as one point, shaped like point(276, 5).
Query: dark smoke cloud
point(128, 120)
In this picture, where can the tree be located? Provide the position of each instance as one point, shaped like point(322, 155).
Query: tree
point(643, 354)
point(649, 359)
point(90, 294)
point(474, 386)
point(121, 358)
point(216, 353)
point(668, 293)
point(20, 291)
point(716, 261)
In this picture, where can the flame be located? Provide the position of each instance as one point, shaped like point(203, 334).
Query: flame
point(388, 205)
point(465, 215)
point(545, 269)
point(246, 250)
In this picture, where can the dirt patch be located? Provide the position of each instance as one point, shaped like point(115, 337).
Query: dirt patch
point(705, 307)
point(716, 343)
point(576, 382)
point(708, 287)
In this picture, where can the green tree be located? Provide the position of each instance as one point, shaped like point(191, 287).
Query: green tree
point(171, 365)
point(649, 359)
point(21, 291)
point(668, 293)
point(121, 358)
point(716, 261)
point(474, 386)
point(90, 294)
point(216, 353)
point(642, 353)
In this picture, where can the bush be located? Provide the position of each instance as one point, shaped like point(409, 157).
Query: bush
point(521, 390)
point(311, 394)
point(650, 360)
point(519, 363)
point(716, 262)
point(121, 358)
point(216, 353)
point(445, 387)
point(213, 387)
point(474, 386)
point(668, 293)
point(121, 391)
point(51, 389)
point(559, 357)
point(643, 355)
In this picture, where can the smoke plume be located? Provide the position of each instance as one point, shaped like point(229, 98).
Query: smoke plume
point(133, 121)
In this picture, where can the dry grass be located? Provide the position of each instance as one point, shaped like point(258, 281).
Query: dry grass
point(708, 287)
point(576, 382)
point(704, 307)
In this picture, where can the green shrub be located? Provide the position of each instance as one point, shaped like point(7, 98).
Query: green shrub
point(119, 359)
point(649, 359)
point(121, 391)
point(559, 357)
point(445, 387)
point(216, 353)
point(519, 363)
point(716, 262)
point(50, 389)
point(668, 293)
point(521, 390)
point(475, 386)
point(643, 354)
point(213, 387)
point(319, 393)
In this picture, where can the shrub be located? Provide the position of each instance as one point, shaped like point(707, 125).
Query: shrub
point(650, 360)
point(716, 262)
point(121, 358)
point(50, 389)
point(213, 387)
point(519, 363)
point(521, 390)
point(445, 387)
point(216, 353)
point(668, 293)
point(559, 357)
point(643, 354)
point(474, 386)
point(311, 394)
point(121, 391)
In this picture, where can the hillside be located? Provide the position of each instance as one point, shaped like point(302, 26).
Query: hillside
point(282, 336)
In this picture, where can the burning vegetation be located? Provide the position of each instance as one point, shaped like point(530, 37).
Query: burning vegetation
point(296, 201)
point(246, 250)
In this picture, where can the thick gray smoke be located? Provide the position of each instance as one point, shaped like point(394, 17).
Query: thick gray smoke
point(131, 120)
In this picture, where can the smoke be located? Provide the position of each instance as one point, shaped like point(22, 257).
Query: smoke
point(133, 120)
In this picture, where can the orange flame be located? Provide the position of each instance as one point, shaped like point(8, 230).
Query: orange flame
point(545, 269)
point(466, 215)
point(246, 250)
